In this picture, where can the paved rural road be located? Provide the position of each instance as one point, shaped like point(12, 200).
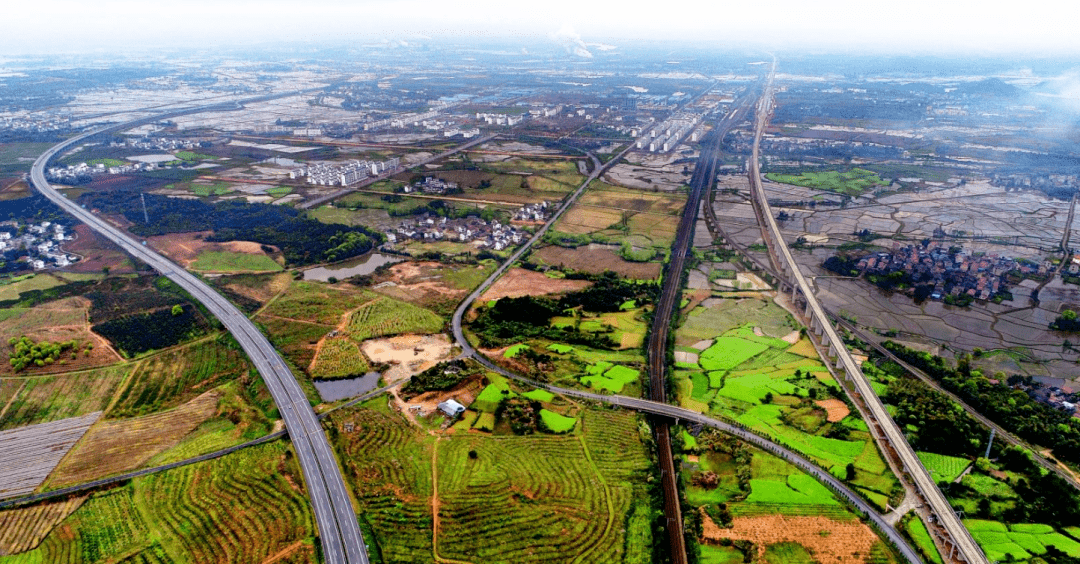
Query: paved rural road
point(962, 540)
point(339, 531)
point(459, 335)
point(656, 408)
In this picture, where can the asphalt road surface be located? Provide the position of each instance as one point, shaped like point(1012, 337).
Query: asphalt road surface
point(339, 531)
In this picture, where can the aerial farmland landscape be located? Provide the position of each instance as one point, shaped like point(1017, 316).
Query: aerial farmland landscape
point(401, 283)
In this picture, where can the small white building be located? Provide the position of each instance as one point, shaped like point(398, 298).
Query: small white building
point(451, 408)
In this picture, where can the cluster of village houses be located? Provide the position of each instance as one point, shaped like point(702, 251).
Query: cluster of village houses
point(67, 174)
point(488, 234)
point(41, 242)
point(953, 273)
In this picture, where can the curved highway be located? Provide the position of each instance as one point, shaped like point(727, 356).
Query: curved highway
point(339, 531)
point(961, 539)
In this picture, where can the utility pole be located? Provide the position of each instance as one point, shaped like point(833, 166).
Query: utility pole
point(146, 216)
point(990, 444)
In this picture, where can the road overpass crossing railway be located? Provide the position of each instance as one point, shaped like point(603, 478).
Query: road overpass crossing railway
point(339, 531)
point(945, 523)
point(702, 179)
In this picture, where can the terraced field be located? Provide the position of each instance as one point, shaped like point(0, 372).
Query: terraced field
point(338, 357)
point(195, 507)
point(246, 507)
point(388, 464)
point(51, 398)
point(173, 377)
point(317, 303)
point(500, 498)
point(24, 528)
point(116, 446)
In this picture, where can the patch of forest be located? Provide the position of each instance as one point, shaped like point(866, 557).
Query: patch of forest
point(302, 240)
point(152, 330)
point(1013, 409)
point(512, 319)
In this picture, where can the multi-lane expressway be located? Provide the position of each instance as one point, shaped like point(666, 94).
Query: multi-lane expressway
point(339, 531)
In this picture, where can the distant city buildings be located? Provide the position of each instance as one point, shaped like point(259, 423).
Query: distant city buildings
point(665, 137)
point(499, 119)
point(343, 174)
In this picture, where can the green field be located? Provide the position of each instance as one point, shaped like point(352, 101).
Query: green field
point(385, 317)
point(215, 189)
point(168, 379)
point(728, 352)
point(12, 287)
point(788, 553)
point(51, 398)
point(21, 153)
point(193, 156)
point(916, 531)
point(800, 489)
point(612, 378)
point(542, 396)
point(226, 261)
point(339, 357)
point(513, 350)
point(1020, 541)
point(851, 183)
point(490, 398)
point(941, 467)
point(313, 302)
point(556, 423)
point(106, 162)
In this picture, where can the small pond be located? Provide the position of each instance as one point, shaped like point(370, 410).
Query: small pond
point(354, 267)
point(334, 390)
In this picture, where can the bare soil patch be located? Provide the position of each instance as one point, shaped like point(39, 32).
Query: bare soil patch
point(847, 542)
point(596, 259)
point(112, 447)
point(184, 248)
point(518, 282)
point(58, 321)
point(96, 253)
point(836, 409)
point(407, 354)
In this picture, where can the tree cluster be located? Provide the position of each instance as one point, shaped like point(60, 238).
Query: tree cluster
point(441, 377)
point(26, 352)
point(1013, 409)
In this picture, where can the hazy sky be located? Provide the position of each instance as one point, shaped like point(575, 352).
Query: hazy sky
point(1038, 26)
